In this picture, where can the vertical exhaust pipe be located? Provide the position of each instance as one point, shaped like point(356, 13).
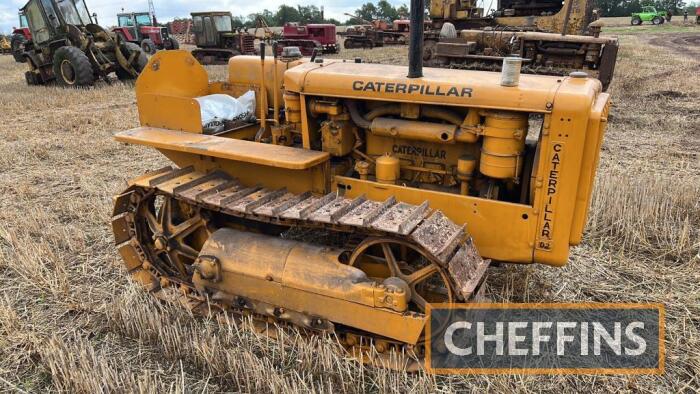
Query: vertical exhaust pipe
point(263, 97)
point(415, 49)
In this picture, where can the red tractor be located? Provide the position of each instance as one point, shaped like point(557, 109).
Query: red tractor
point(313, 36)
point(21, 39)
point(142, 29)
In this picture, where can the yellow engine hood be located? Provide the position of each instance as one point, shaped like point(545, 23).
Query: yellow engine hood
point(437, 86)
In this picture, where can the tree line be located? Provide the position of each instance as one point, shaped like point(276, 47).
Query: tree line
point(303, 15)
point(626, 7)
point(384, 10)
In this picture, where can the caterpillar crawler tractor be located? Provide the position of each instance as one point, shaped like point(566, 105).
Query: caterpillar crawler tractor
point(375, 33)
point(362, 194)
point(217, 40)
point(70, 48)
point(552, 37)
point(320, 37)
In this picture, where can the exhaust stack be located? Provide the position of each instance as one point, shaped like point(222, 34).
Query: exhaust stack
point(415, 49)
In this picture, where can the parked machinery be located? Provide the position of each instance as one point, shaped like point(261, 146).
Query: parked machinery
point(363, 193)
point(317, 36)
point(217, 40)
point(648, 14)
point(268, 34)
point(141, 28)
point(21, 39)
point(553, 38)
point(375, 33)
point(68, 47)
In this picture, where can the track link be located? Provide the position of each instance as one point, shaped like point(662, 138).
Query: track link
point(440, 239)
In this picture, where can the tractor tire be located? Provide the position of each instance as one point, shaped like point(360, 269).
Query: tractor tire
point(72, 67)
point(141, 62)
point(17, 44)
point(174, 44)
point(656, 20)
point(148, 46)
point(636, 21)
point(348, 44)
point(663, 20)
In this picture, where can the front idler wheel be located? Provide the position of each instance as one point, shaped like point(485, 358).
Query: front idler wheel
point(72, 67)
point(398, 261)
point(172, 234)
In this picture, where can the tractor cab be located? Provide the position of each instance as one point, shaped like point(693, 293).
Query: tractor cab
point(217, 40)
point(136, 23)
point(46, 18)
point(135, 19)
point(209, 27)
point(141, 28)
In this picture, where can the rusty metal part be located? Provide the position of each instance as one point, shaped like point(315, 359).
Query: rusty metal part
point(163, 221)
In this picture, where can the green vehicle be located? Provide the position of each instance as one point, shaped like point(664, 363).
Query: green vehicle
point(648, 14)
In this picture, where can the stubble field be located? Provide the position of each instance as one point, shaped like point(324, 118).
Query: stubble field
point(70, 320)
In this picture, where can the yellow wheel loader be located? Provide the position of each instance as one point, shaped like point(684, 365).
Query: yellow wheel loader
point(360, 194)
point(69, 48)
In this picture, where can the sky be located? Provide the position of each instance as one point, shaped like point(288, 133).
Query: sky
point(167, 10)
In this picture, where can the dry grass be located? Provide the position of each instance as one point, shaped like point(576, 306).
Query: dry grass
point(71, 321)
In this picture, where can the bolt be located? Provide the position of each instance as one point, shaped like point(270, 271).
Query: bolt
point(160, 243)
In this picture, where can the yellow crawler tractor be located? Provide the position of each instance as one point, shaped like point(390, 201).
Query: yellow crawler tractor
point(362, 193)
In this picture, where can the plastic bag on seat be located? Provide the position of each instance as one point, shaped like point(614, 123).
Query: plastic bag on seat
point(218, 110)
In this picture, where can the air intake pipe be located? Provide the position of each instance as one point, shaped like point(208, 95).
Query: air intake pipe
point(456, 129)
point(415, 49)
